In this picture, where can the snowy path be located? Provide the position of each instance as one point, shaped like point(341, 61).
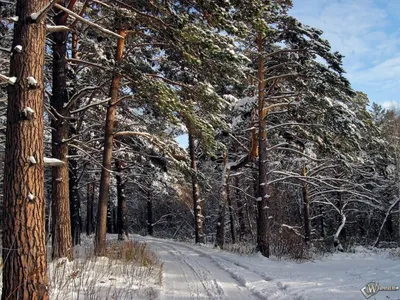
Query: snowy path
point(198, 272)
point(191, 274)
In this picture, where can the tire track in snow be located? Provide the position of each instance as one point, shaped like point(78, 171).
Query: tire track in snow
point(259, 283)
point(192, 274)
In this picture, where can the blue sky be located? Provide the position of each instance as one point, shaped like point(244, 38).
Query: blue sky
point(367, 32)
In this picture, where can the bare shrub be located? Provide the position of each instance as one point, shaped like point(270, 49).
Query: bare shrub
point(286, 243)
point(130, 270)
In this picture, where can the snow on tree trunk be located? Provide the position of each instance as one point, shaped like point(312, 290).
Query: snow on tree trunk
point(25, 270)
point(101, 226)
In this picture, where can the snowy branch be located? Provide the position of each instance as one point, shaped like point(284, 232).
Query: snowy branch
point(53, 162)
point(40, 14)
point(83, 20)
point(51, 28)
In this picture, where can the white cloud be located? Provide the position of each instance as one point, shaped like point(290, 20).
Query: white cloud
point(367, 33)
point(391, 105)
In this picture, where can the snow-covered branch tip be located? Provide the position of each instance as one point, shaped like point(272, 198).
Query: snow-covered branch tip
point(28, 113)
point(10, 80)
point(7, 50)
point(32, 82)
point(53, 162)
point(18, 48)
point(51, 28)
point(32, 160)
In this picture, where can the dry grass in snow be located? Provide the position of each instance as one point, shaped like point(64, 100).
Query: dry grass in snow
point(130, 271)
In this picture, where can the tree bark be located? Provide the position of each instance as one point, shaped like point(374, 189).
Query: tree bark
point(240, 211)
point(75, 201)
point(74, 198)
point(220, 236)
point(89, 209)
point(150, 218)
point(262, 195)
point(25, 267)
point(101, 226)
point(306, 210)
point(198, 204)
point(61, 222)
point(231, 215)
point(122, 209)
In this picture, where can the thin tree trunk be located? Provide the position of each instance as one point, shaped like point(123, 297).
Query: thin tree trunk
point(306, 210)
point(322, 213)
point(25, 269)
point(240, 211)
point(122, 207)
point(197, 202)
point(101, 226)
point(231, 216)
point(75, 201)
point(109, 218)
point(74, 198)
point(150, 219)
point(61, 222)
point(262, 195)
point(89, 209)
point(220, 236)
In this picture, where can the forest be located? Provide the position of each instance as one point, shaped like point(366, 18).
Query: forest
point(223, 122)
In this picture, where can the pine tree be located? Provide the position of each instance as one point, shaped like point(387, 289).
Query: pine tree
point(25, 269)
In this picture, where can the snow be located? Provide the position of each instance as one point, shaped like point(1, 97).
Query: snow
point(32, 81)
point(18, 48)
point(53, 162)
point(32, 160)
point(28, 111)
point(199, 272)
point(34, 16)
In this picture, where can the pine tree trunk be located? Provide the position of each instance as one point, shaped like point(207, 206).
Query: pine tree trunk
point(101, 226)
point(262, 195)
point(25, 269)
point(61, 222)
point(198, 204)
point(89, 209)
point(150, 219)
point(306, 210)
point(122, 207)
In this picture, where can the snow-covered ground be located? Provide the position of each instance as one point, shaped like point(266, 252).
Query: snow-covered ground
point(88, 277)
point(199, 272)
